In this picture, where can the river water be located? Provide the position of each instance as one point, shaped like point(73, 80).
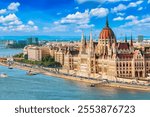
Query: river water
point(6, 52)
point(19, 86)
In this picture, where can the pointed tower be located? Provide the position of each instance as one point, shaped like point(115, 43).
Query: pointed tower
point(83, 43)
point(91, 45)
point(131, 42)
point(91, 38)
point(68, 50)
point(82, 38)
point(107, 22)
point(125, 38)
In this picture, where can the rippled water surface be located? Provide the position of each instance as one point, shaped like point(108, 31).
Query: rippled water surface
point(40, 87)
point(5, 52)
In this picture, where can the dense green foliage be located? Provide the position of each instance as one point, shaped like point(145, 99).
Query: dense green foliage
point(46, 62)
point(19, 55)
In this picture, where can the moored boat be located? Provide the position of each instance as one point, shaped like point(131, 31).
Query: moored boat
point(10, 67)
point(92, 85)
point(30, 73)
point(3, 75)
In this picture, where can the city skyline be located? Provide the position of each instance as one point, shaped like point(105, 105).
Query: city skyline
point(70, 17)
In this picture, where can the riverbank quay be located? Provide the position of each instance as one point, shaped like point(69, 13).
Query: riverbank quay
point(93, 82)
point(51, 73)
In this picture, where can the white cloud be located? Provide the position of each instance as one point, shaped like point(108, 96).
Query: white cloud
point(16, 22)
point(118, 19)
point(30, 23)
point(25, 28)
point(35, 28)
point(77, 21)
point(19, 28)
point(83, 1)
point(139, 2)
point(22, 27)
point(3, 11)
point(120, 14)
point(8, 18)
point(135, 4)
point(117, 0)
point(76, 8)
point(140, 8)
point(122, 7)
point(77, 18)
point(145, 21)
point(138, 26)
point(131, 17)
point(11, 22)
point(56, 28)
point(99, 12)
point(84, 26)
point(100, 1)
point(3, 28)
point(14, 6)
point(74, 22)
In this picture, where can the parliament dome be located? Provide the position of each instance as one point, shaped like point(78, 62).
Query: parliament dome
point(107, 32)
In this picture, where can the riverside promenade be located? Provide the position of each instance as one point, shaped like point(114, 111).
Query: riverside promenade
point(93, 82)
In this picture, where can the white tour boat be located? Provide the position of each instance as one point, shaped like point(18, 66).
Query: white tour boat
point(3, 75)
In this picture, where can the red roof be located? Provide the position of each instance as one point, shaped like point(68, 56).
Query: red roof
point(107, 33)
point(123, 46)
point(125, 55)
point(147, 55)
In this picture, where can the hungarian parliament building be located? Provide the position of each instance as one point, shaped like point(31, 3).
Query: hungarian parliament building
point(103, 57)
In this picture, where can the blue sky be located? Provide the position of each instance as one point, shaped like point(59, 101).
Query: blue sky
point(70, 17)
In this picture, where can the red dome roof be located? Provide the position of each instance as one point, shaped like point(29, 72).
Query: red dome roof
point(107, 33)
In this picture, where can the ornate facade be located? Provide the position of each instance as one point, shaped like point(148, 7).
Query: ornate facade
point(108, 57)
point(105, 57)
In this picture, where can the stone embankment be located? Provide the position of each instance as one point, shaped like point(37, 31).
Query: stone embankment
point(91, 81)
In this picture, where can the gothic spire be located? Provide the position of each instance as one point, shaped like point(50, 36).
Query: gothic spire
point(131, 40)
point(82, 37)
point(85, 40)
point(91, 37)
point(107, 22)
point(125, 38)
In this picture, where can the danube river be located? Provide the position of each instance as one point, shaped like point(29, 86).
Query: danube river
point(19, 86)
point(6, 52)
